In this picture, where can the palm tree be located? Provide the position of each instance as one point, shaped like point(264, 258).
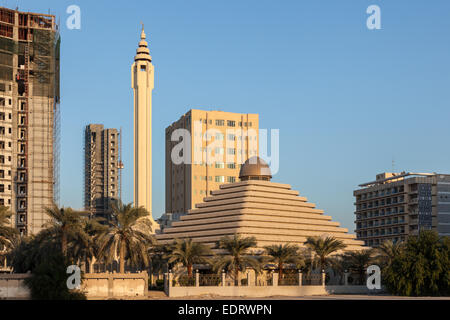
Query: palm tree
point(7, 233)
point(158, 254)
point(237, 258)
point(322, 248)
point(187, 252)
point(65, 224)
point(85, 245)
point(387, 251)
point(128, 237)
point(358, 261)
point(281, 254)
point(339, 265)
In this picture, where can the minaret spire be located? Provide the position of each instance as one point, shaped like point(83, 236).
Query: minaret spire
point(142, 32)
point(142, 52)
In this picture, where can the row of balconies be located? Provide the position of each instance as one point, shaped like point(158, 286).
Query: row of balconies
point(381, 232)
point(381, 193)
point(380, 203)
point(375, 225)
point(372, 215)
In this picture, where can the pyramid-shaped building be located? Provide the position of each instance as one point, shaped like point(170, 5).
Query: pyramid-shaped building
point(271, 212)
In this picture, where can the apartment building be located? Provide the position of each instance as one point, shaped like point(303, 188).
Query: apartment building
point(101, 169)
point(214, 146)
point(29, 116)
point(397, 205)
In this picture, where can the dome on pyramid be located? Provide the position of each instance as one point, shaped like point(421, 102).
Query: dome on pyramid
point(255, 169)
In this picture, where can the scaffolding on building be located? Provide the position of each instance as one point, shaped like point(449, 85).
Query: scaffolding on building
point(31, 53)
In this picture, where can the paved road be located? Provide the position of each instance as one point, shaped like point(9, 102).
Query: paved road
point(159, 295)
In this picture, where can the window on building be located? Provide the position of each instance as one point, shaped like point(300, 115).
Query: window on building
point(219, 136)
point(220, 122)
point(231, 151)
point(220, 165)
point(231, 179)
point(219, 179)
point(231, 123)
point(231, 165)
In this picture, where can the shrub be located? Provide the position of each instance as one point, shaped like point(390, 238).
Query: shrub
point(48, 280)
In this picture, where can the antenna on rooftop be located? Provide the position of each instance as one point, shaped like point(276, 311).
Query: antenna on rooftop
point(393, 164)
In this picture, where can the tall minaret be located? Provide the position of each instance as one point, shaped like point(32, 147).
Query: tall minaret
point(142, 82)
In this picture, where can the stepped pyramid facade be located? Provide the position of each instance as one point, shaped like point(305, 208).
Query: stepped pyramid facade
point(271, 212)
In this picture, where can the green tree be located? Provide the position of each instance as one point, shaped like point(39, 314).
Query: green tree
point(421, 268)
point(188, 253)
point(282, 254)
point(129, 236)
point(65, 224)
point(322, 248)
point(358, 262)
point(238, 257)
point(48, 280)
point(42, 256)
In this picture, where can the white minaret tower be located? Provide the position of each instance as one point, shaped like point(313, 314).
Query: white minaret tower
point(142, 82)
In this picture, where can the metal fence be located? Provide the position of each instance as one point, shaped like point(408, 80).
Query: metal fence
point(288, 279)
point(313, 279)
point(210, 280)
point(184, 281)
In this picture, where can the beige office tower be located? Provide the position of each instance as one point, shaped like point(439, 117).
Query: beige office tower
point(101, 169)
point(29, 116)
point(219, 143)
point(142, 82)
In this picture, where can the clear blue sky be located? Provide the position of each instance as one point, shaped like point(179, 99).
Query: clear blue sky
point(347, 100)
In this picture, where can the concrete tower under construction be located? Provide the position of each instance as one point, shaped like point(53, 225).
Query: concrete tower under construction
point(102, 165)
point(29, 116)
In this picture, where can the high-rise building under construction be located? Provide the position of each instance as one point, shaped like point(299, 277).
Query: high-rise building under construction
point(29, 116)
point(102, 165)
